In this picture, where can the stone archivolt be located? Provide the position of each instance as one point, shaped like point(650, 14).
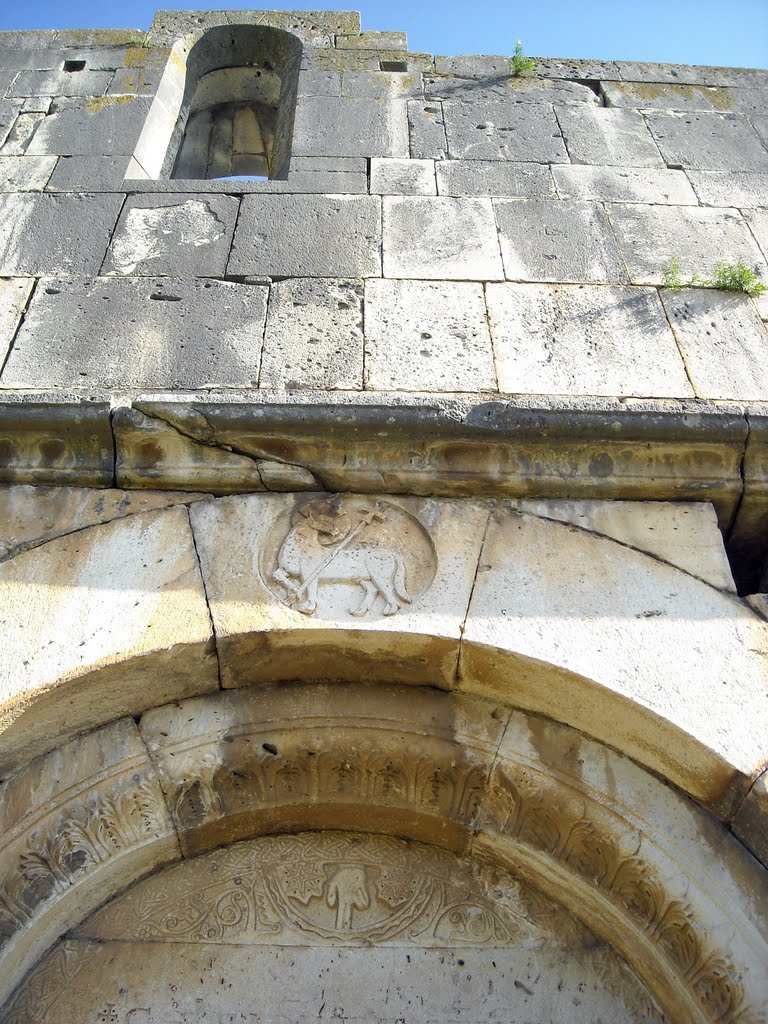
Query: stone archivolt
point(516, 794)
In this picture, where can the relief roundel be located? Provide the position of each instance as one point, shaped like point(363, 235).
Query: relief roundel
point(346, 556)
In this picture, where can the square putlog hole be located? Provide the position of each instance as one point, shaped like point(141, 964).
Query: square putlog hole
point(393, 65)
point(74, 65)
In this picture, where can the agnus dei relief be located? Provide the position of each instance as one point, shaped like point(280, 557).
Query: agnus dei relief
point(333, 926)
point(342, 556)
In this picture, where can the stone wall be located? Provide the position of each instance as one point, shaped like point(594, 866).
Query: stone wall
point(397, 495)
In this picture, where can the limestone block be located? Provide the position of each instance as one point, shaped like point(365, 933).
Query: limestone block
point(578, 619)
point(723, 340)
point(96, 173)
point(561, 339)
point(21, 133)
point(751, 821)
point(494, 178)
point(401, 759)
point(308, 236)
point(427, 336)
point(758, 224)
point(373, 41)
point(61, 83)
point(403, 177)
point(624, 184)
point(607, 137)
point(708, 141)
point(175, 236)
point(89, 618)
point(441, 238)
point(665, 96)
point(37, 104)
point(730, 188)
point(381, 84)
point(290, 602)
point(14, 295)
point(104, 125)
point(30, 516)
point(314, 28)
point(499, 130)
point(687, 74)
point(25, 173)
point(426, 130)
point(760, 124)
point(159, 333)
point(151, 452)
point(75, 825)
point(685, 535)
point(42, 234)
point(511, 90)
point(651, 236)
point(555, 241)
point(9, 111)
point(314, 335)
point(350, 126)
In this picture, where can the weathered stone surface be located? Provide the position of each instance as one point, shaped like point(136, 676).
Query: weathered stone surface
point(723, 341)
point(408, 576)
point(664, 96)
point(30, 516)
point(14, 294)
point(373, 41)
point(426, 130)
point(314, 28)
point(574, 610)
point(21, 133)
point(751, 820)
point(427, 336)
point(25, 173)
point(44, 439)
point(88, 817)
point(37, 104)
point(175, 236)
point(561, 339)
point(42, 234)
point(496, 130)
point(381, 84)
point(150, 450)
point(730, 188)
point(403, 177)
point(60, 83)
point(303, 236)
point(441, 238)
point(160, 333)
point(107, 125)
point(314, 335)
point(127, 606)
point(509, 90)
point(650, 237)
point(624, 184)
point(350, 126)
point(9, 110)
point(707, 141)
point(494, 178)
point(685, 535)
point(758, 223)
point(543, 240)
point(688, 74)
point(96, 173)
point(606, 137)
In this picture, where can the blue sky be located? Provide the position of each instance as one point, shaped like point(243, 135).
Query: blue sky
point(678, 31)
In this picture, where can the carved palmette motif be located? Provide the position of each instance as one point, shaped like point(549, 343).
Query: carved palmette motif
point(563, 830)
point(53, 859)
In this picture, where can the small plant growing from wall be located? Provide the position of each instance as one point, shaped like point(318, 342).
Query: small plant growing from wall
point(519, 64)
point(727, 277)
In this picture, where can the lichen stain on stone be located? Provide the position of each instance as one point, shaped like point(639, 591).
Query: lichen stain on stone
point(719, 98)
point(98, 103)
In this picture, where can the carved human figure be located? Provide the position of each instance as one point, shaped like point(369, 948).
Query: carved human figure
point(348, 891)
point(324, 544)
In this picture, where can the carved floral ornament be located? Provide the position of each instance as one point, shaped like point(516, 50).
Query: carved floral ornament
point(346, 897)
point(343, 556)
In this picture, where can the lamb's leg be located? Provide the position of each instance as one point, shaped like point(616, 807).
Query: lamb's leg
point(371, 590)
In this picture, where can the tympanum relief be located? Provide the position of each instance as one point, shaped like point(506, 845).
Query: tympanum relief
point(332, 926)
point(341, 556)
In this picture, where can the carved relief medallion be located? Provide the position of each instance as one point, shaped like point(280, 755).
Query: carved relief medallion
point(342, 555)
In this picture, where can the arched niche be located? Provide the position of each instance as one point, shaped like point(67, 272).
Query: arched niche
point(566, 821)
point(224, 107)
